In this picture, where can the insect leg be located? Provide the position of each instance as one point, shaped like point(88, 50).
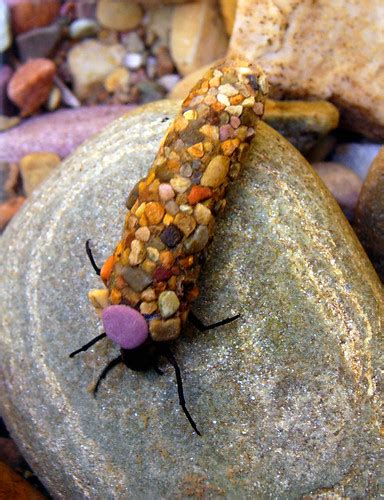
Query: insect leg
point(165, 351)
point(107, 369)
point(87, 346)
point(90, 256)
point(204, 328)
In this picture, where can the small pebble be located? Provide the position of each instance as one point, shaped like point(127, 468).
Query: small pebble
point(168, 81)
point(226, 132)
point(171, 236)
point(165, 64)
point(99, 298)
point(166, 192)
point(117, 80)
point(83, 28)
point(168, 304)
point(120, 15)
point(136, 278)
point(148, 307)
point(143, 234)
point(148, 295)
point(153, 254)
point(202, 214)
point(137, 253)
point(186, 170)
point(125, 326)
point(164, 331)
point(180, 184)
point(185, 222)
point(197, 241)
point(133, 42)
point(134, 61)
point(154, 212)
point(216, 172)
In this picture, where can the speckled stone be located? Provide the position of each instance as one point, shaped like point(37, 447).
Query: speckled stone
point(168, 304)
point(285, 397)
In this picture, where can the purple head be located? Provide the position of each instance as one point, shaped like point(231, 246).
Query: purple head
point(125, 326)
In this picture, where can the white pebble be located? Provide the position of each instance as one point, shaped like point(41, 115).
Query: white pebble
point(134, 61)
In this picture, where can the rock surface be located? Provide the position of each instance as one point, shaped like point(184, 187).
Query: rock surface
point(285, 397)
point(369, 222)
point(325, 50)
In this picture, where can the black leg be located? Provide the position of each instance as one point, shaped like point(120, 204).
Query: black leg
point(87, 346)
point(170, 357)
point(90, 256)
point(107, 369)
point(204, 328)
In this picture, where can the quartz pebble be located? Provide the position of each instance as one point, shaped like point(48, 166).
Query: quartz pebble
point(216, 171)
point(125, 326)
point(83, 28)
point(134, 61)
point(138, 252)
point(35, 167)
point(136, 278)
point(120, 15)
point(180, 184)
point(31, 85)
point(168, 304)
point(202, 214)
point(164, 331)
point(166, 192)
point(197, 241)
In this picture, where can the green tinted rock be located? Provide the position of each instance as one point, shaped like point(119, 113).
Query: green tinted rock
point(285, 397)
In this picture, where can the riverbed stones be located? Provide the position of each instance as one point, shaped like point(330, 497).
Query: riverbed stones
point(287, 394)
point(309, 63)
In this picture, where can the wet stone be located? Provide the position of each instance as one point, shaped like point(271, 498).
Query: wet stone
point(197, 241)
point(168, 304)
point(171, 236)
point(136, 278)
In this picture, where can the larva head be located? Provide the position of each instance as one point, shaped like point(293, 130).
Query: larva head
point(125, 326)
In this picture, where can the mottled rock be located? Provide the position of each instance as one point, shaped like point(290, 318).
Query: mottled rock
point(36, 167)
point(5, 30)
point(198, 35)
point(39, 42)
point(228, 11)
point(287, 394)
point(29, 14)
point(60, 132)
point(90, 62)
point(338, 58)
point(82, 28)
point(168, 304)
point(136, 278)
point(31, 85)
point(119, 15)
point(369, 220)
point(356, 156)
point(343, 183)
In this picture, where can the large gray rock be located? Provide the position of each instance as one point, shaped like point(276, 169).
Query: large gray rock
point(286, 397)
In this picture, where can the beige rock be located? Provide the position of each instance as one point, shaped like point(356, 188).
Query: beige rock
point(120, 15)
point(228, 11)
point(198, 35)
point(90, 62)
point(35, 167)
point(323, 49)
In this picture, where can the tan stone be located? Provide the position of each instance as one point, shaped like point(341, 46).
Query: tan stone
point(35, 167)
point(198, 35)
point(216, 171)
point(324, 49)
point(163, 331)
point(120, 15)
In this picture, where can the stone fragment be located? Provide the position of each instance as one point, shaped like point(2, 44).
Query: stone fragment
point(136, 278)
point(153, 254)
point(148, 307)
point(197, 36)
point(165, 64)
point(164, 331)
point(216, 171)
point(297, 59)
point(202, 214)
point(172, 207)
point(125, 326)
point(166, 192)
point(228, 11)
point(369, 220)
point(29, 14)
point(120, 15)
point(99, 298)
point(38, 42)
point(8, 209)
point(356, 156)
point(118, 80)
point(5, 31)
point(180, 184)
point(137, 254)
point(168, 304)
point(171, 236)
point(154, 211)
point(143, 234)
point(90, 62)
point(36, 167)
point(31, 85)
point(343, 183)
point(134, 61)
point(185, 223)
point(197, 241)
point(83, 28)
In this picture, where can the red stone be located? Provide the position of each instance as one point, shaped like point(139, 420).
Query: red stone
point(199, 193)
point(162, 274)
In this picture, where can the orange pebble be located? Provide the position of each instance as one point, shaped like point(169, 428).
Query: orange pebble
point(193, 294)
point(217, 106)
point(186, 262)
point(115, 296)
point(154, 212)
point(143, 221)
point(106, 270)
point(196, 150)
point(236, 99)
point(199, 193)
point(229, 146)
point(120, 282)
point(167, 258)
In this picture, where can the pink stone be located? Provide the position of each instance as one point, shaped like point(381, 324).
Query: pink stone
point(226, 132)
point(166, 192)
point(125, 326)
point(235, 121)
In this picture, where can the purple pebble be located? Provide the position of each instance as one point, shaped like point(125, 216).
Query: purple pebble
point(125, 326)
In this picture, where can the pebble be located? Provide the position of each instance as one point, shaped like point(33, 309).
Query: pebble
point(168, 81)
point(198, 35)
point(343, 183)
point(166, 192)
point(83, 28)
point(202, 214)
point(168, 304)
point(120, 15)
point(136, 278)
point(171, 236)
point(180, 184)
point(99, 298)
point(356, 156)
point(7, 122)
point(134, 60)
point(117, 80)
point(143, 234)
point(5, 31)
point(185, 223)
point(138, 253)
point(164, 331)
point(8, 209)
point(199, 193)
point(148, 307)
point(54, 99)
point(197, 241)
point(133, 42)
point(31, 85)
point(35, 167)
point(154, 211)
point(172, 207)
point(153, 254)
point(90, 62)
point(125, 326)
point(29, 14)
point(216, 172)
point(39, 42)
